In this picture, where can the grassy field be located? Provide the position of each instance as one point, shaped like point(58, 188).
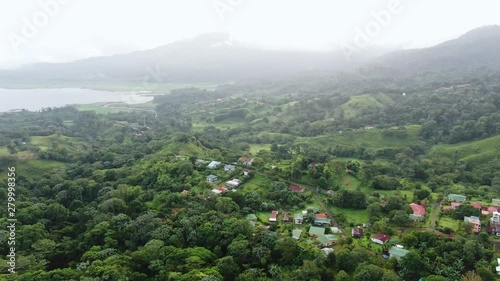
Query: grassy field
point(254, 148)
point(355, 216)
point(449, 223)
point(373, 138)
point(37, 167)
point(476, 153)
point(44, 142)
point(359, 104)
point(99, 108)
point(257, 183)
point(4, 151)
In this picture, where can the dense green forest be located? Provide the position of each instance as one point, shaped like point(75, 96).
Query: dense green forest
point(124, 196)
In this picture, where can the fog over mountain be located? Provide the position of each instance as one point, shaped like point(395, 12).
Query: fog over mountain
point(216, 58)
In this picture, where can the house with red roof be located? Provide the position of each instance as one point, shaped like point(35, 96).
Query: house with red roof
point(296, 188)
point(321, 216)
point(246, 161)
point(477, 205)
point(380, 238)
point(418, 212)
point(274, 216)
point(357, 232)
point(453, 206)
point(222, 189)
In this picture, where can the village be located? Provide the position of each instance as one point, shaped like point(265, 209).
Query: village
point(313, 224)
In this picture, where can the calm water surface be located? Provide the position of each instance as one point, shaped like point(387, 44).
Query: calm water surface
point(36, 99)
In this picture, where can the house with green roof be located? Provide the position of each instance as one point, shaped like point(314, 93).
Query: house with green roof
point(316, 231)
point(296, 233)
point(322, 221)
point(456, 198)
point(327, 240)
point(251, 217)
point(298, 218)
point(211, 178)
point(397, 252)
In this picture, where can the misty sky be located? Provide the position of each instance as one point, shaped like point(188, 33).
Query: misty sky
point(75, 29)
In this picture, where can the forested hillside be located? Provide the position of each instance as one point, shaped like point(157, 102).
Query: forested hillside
point(129, 196)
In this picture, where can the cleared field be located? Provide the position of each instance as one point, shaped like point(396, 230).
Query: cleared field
point(357, 105)
point(4, 151)
point(37, 167)
point(44, 142)
point(374, 138)
point(477, 152)
point(449, 223)
point(254, 148)
point(257, 183)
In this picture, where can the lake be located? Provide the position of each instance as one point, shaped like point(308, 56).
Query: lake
point(36, 99)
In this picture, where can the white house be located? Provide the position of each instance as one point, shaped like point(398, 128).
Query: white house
point(213, 164)
point(233, 183)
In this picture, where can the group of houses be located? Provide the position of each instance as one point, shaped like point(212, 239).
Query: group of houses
point(322, 238)
point(494, 225)
point(227, 168)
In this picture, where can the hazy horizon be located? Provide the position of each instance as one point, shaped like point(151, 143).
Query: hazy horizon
point(61, 31)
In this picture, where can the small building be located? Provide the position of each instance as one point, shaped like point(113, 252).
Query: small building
point(447, 208)
point(295, 188)
point(246, 172)
point(327, 240)
point(222, 189)
point(397, 252)
point(274, 216)
point(418, 210)
point(322, 222)
point(327, 251)
point(246, 161)
point(380, 238)
point(495, 219)
point(296, 233)
point(476, 223)
point(229, 168)
point(286, 218)
point(476, 205)
point(456, 198)
point(298, 218)
point(321, 216)
point(211, 178)
point(185, 192)
point(213, 164)
point(216, 191)
point(316, 231)
point(357, 232)
point(335, 229)
point(494, 229)
point(251, 217)
point(233, 183)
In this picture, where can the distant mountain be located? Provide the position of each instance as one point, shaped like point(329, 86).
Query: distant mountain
point(478, 49)
point(206, 58)
point(216, 58)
